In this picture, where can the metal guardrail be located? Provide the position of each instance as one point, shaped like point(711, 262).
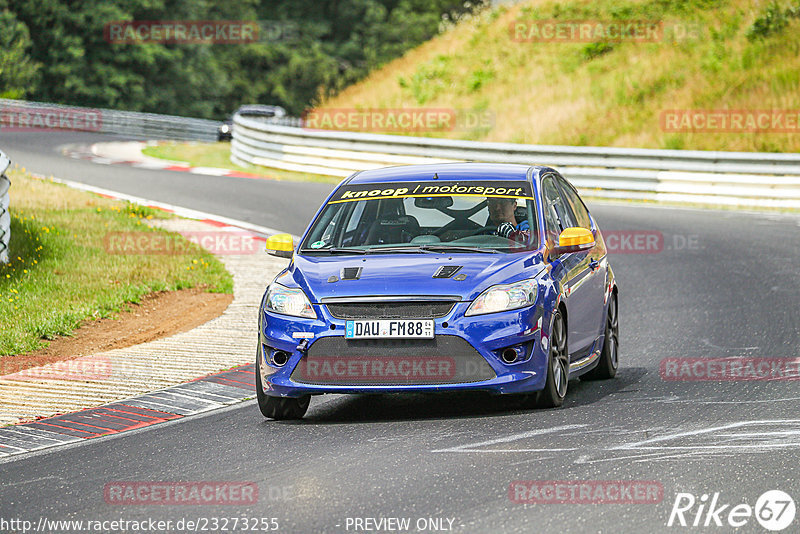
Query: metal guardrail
point(732, 178)
point(19, 115)
point(5, 216)
point(749, 179)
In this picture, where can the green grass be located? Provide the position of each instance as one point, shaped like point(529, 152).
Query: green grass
point(60, 273)
point(218, 155)
point(712, 54)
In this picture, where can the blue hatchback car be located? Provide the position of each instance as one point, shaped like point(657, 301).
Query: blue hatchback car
point(431, 278)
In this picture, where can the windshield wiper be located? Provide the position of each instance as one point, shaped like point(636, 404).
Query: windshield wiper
point(335, 250)
point(413, 249)
point(458, 248)
point(372, 250)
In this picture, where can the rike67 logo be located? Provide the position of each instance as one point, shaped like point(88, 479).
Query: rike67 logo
point(774, 511)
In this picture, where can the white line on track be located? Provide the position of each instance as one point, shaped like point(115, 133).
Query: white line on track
point(674, 399)
point(177, 210)
point(470, 447)
point(643, 445)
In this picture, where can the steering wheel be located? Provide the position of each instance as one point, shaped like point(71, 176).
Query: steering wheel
point(483, 229)
point(455, 223)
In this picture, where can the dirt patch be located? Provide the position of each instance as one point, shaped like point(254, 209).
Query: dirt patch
point(158, 315)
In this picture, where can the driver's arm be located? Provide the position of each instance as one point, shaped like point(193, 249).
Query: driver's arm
point(520, 233)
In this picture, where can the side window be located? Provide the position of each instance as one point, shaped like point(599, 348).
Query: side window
point(557, 215)
point(355, 217)
point(355, 224)
point(575, 203)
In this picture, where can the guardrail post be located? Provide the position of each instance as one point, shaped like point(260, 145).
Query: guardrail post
point(5, 216)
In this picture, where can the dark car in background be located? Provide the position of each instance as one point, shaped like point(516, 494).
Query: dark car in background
point(225, 130)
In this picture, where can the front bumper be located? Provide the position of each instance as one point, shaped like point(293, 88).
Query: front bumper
point(465, 354)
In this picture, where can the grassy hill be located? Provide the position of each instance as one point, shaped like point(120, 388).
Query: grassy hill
point(710, 55)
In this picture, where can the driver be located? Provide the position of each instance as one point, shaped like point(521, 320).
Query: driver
point(501, 213)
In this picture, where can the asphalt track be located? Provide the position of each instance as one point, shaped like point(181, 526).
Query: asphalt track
point(726, 284)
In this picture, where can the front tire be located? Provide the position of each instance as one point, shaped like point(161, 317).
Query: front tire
point(555, 387)
point(609, 357)
point(279, 408)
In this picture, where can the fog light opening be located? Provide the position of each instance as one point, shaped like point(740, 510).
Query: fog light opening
point(279, 358)
point(509, 355)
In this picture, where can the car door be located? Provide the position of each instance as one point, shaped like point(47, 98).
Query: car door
point(596, 279)
point(575, 268)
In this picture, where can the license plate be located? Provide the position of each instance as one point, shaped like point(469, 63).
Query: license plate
point(389, 329)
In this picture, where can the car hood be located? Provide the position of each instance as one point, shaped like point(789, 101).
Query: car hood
point(408, 274)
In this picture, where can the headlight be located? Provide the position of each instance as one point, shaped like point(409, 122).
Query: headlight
point(225, 128)
point(288, 301)
point(505, 297)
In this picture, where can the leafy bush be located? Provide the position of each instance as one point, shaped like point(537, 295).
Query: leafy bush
point(593, 50)
point(478, 78)
point(772, 21)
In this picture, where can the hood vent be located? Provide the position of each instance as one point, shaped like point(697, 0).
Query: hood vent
point(351, 273)
point(446, 271)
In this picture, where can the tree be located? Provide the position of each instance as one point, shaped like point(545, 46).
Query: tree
point(18, 72)
point(333, 44)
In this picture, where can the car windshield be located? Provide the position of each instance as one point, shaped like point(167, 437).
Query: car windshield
point(388, 218)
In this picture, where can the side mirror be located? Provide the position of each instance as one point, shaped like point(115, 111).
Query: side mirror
point(574, 239)
point(280, 245)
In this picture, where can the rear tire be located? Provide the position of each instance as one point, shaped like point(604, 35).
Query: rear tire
point(609, 356)
point(279, 408)
point(555, 387)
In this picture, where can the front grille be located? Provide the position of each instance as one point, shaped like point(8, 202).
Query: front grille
point(334, 360)
point(390, 310)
